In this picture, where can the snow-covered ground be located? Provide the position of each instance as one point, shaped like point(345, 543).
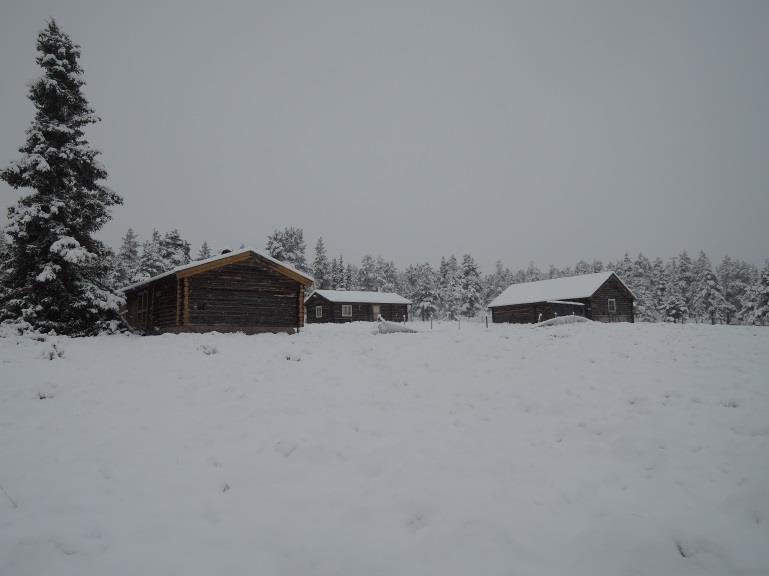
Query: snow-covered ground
point(578, 449)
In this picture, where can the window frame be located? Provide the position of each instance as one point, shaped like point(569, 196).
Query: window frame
point(319, 311)
point(347, 307)
point(612, 305)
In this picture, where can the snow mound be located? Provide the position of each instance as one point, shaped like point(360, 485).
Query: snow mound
point(387, 327)
point(560, 320)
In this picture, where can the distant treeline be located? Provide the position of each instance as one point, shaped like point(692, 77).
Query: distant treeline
point(678, 289)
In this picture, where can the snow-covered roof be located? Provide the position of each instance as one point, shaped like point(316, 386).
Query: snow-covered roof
point(554, 290)
point(361, 297)
point(216, 258)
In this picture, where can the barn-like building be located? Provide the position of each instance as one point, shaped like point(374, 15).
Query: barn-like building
point(601, 296)
point(355, 306)
point(240, 291)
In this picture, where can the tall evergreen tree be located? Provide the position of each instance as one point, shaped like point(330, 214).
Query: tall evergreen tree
point(756, 301)
point(533, 273)
point(425, 294)
point(367, 278)
point(685, 278)
point(659, 283)
point(320, 266)
point(582, 267)
point(204, 252)
point(350, 275)
point(58, 276)
point(151, 262)
point(470, 282)
point(708, 300)
point(675, 307)
point(337, 274)
point(450, 290)
point(288, 246)
point(128, 258)
point(174, 249)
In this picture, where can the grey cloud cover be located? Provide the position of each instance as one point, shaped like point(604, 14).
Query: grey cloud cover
point(545, 131)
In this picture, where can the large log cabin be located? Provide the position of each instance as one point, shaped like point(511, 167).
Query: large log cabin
point(240, 291)
point(355, 306)
point(602, 297)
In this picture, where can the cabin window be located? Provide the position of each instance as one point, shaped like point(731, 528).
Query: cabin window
point(347, 310)
point(319, 311)
point(612, 306)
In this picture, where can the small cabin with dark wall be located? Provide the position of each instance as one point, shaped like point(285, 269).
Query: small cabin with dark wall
point(240, 291)
point(601, 296)
point(355, 306)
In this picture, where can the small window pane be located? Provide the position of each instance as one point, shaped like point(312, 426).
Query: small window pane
point(612, 306)
point(319, 311)
point(347, 310)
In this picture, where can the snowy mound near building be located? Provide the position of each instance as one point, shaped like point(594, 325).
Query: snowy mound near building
point(561, 320)
point(591, 450)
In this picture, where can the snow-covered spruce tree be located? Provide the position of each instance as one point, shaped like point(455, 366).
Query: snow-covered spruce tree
point(552, 272)
point(425, 293)
point(470, 282)
point(204, 252)
point(685, 276)
point(496, 282)
point(736, 277)
point(57, 278)
point(127, 265)
point(386, 275)
point(582, 267)
point(151, 262)
point(5, 252)
point(288, 246)
point(674, 306)
point(321, 270)
point(708, 300)
point(336, 275)
point(450, 289)
point(659, 284)
point(533, 273)
point(366, 278)
point(640, 282)
point(174, 249)
point(756, 301)
point(350, 278)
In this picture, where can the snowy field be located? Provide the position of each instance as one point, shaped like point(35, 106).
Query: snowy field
point(581, 449)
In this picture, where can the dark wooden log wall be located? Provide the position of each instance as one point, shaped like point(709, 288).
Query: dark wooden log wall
point(161, 306)
point(599, 303)
point(332, 311)
point(248, 295)
point(596, 307)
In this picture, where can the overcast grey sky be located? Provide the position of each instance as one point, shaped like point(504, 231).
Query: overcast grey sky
point(545, 131)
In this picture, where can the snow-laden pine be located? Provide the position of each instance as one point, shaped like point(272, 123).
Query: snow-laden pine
point(57, 274)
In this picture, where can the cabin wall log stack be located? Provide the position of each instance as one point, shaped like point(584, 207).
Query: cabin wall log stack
point(247, 293)
point(361, 311)
point(596, 307)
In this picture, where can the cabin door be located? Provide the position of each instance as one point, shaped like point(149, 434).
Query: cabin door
point(375, 311)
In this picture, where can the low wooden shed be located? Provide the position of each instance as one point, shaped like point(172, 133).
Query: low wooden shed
point(601, 296)
point(355, 306)
point(240, 291)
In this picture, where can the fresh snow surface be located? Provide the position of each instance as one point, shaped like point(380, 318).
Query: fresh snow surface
point(586, 449)
point(568, 288)
point(361, 297)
